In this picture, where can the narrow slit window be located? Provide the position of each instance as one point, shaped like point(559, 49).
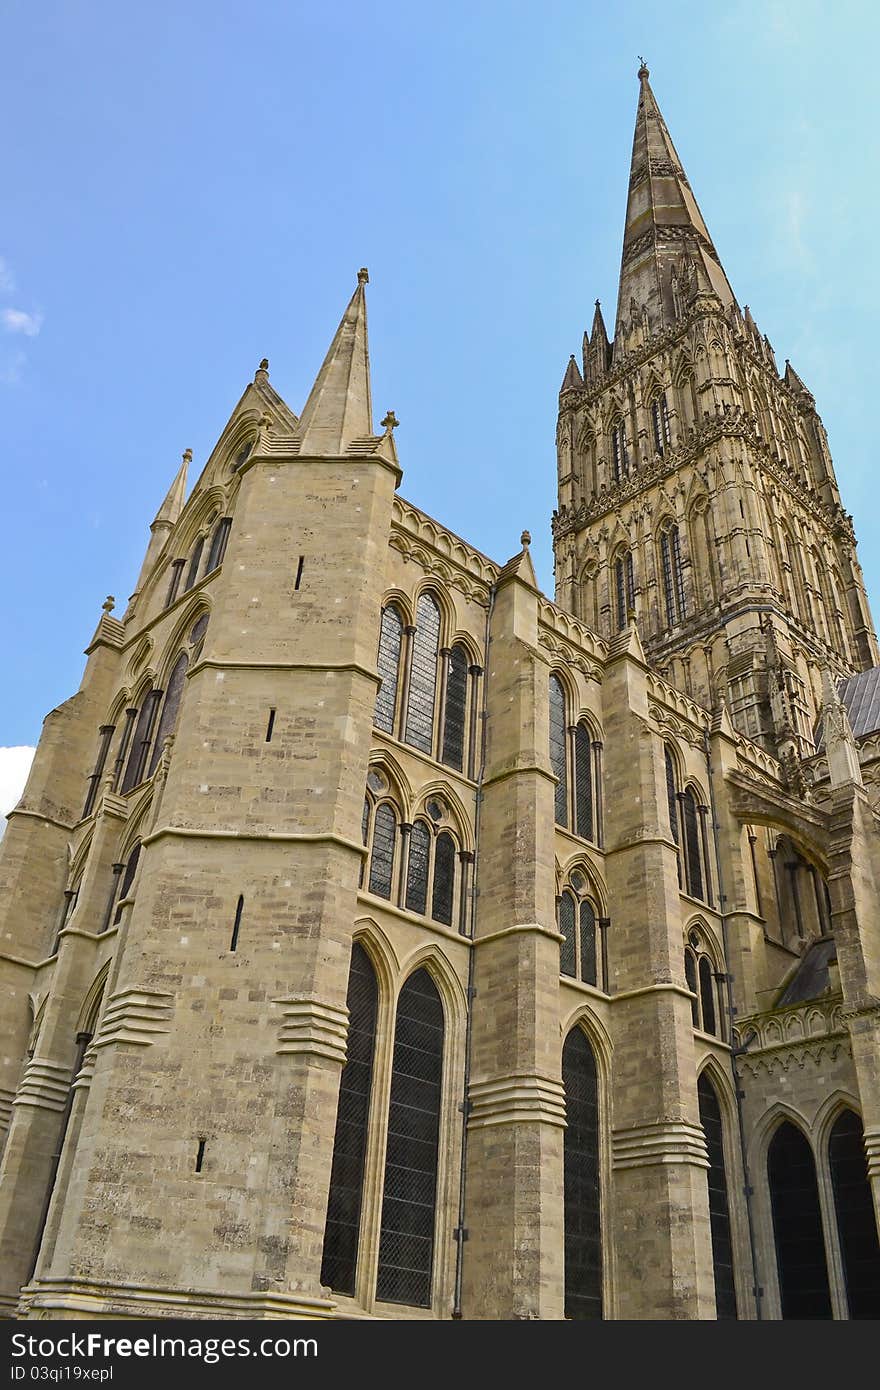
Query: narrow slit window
point(270, 726)
point(299, 571)
point(236, 926)
point(200, 1155)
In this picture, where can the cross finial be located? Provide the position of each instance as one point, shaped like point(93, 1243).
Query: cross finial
point(363, 276)
point(187, 455)
point(109, 604)
point(525, 540)
point(390, 422)
point(643, 68)
point(264, 364)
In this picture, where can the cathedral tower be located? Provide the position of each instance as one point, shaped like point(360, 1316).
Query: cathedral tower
point(696, 487)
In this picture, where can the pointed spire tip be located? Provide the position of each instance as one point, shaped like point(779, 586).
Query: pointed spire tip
point(363, 276)
point(644, 72)
point(187, 455)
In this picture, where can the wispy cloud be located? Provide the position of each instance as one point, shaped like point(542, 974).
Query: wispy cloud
point(18, 321)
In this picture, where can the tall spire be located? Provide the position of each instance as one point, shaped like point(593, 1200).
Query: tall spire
point(339, 408)
point(173, 505)
point(667, 251)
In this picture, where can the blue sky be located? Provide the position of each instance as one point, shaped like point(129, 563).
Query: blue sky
point(191, 186)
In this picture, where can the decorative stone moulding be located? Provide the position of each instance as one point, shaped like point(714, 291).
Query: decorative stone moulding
point(44, 1084)
point(136, 1016)
point(643, 1146)
point(513, 1099)
point(307, 1026)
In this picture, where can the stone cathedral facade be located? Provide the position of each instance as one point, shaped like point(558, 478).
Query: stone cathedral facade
point(380, 938)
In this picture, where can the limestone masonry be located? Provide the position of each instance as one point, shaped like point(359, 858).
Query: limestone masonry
point(380, 938)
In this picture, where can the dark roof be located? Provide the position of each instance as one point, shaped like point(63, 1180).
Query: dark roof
point(861, 696)
point(810, 980)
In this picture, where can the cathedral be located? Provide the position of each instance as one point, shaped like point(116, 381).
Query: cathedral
point(381, 938)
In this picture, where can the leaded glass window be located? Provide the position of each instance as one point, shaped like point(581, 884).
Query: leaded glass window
point(567, 948)
point(423, 676)
point(406, 1242)
point(797, 1226)
point(583, 782)
point(660, 423)
point(192, 573)
point(170, 708)
point(417, 870)
point(342, 1230)
point(588, 943)
point(127, 879)
point(707, 995)
point(719, 1211)
point(856, 1223)
point(455, 713)
point(583, 1230)
point(382, 858)
point(444, 879)
point(693, 863)
point(140, 746)
point(557, 748)
point(390, 637)
point(218, 543)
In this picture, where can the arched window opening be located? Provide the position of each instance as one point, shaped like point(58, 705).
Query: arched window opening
point(406, 1242)
point(568, 945)
point(365, 837)
point(624, 588)
point(382, 858)
point(719, 1210)
point(558, 761)
point(696, 869)
point(192, 573)
point(423, 676)
point(444, 879)
point(390, 638)
point(581, 1203)
point(583, 781)
point(143, 736)
point(170, 709)
point(105, 738)
point(673, 577)
point(342, 1229)
point(455, 711)
point(660, 423)
point(856, 1223)
point(700, 976)
point(797, 1226)
point(418, 868)
point(196, 637)
point(579, 953)
point(619, 450)
point(672, 794)
point(218, 544)
point(127, 883)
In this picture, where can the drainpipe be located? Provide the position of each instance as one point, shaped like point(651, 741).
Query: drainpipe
point(735, 1052)
point(461, 1229)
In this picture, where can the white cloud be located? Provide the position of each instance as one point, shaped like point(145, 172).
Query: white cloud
point(15, 764)
point(17, 321)
point(7, 283)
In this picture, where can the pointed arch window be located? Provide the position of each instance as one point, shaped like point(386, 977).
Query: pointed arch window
point(583, 781)
point(419, 730)
point(619, 450)
point(699, 973)
point(406, 1241)
point(342, 1229)
point(579, 953)
point(390, 639)
point(581, 1200)
point(660, 423)
point(455, 709)
point(558, 758)
point(105, 738)
point(382, 856)
point(719, 1208)
point(624, 587)
point(143, 735)
point(797, 1226)
point(218, 544)
point(192, 573)
point(854, 1210)
point(430, 874)
point(127, 880)
point(692, 846)
point(673, 578)
point(170, 709)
